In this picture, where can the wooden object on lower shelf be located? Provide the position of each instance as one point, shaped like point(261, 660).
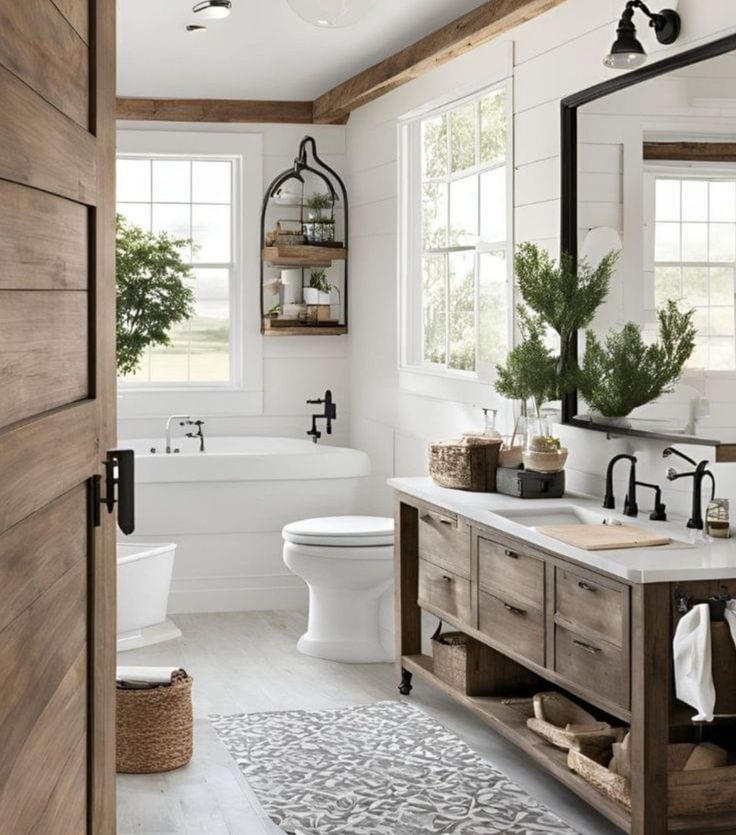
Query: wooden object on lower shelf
point(305, 256)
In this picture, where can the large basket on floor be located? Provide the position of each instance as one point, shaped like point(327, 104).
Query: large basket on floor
point(154, 728)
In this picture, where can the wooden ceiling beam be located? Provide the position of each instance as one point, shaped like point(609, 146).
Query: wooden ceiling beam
point(690, 151)
point(214, 110)
point(462, 35)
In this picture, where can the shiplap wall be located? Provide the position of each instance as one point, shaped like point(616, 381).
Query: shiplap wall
point(294, 368)
point(554, 56)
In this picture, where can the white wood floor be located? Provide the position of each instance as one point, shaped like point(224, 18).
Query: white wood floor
point(247, 662)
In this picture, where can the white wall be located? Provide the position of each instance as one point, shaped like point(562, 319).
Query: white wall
point(294, 368)
point(554, 55)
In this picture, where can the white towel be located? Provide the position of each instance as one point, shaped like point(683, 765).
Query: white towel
point(693, 661)
point(145, 675)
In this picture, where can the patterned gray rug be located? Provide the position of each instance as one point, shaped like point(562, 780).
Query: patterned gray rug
point(381, 769)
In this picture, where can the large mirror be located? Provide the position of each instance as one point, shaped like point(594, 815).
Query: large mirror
point(649, 168)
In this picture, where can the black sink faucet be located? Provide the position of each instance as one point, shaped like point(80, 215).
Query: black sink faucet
point(329, 414)
point(609, 502)
point(698, 475)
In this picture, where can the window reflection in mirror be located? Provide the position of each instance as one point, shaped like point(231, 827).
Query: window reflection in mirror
point(657, 168)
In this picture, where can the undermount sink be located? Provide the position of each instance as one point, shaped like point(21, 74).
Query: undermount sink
point(538, 517)
point(560, 515)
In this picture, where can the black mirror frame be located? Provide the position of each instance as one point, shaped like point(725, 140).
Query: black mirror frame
point(569, 196)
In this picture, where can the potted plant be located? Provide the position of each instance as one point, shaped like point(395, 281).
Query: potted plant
point(623, 372)
point(152, 295)
point(319, 288)
point(530, 374)
point(274, 312)
point(316, 205)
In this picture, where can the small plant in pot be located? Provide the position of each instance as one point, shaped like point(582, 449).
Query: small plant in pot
point(530, 374)
point(317, 295)
point(317, 205)
point(622, 373)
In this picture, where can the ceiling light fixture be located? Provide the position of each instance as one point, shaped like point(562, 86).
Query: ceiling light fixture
point(331, 14)
point(193, 27)
point(213, 9)
point(627, 51)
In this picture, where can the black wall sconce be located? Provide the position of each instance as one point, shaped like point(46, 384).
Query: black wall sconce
point(627, 51)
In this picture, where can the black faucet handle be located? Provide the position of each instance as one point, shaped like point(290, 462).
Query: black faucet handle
point(318, 402)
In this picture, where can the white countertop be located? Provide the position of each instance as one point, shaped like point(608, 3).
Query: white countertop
point(691, 556)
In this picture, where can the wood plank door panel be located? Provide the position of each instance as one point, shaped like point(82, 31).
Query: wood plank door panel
point(57, 416)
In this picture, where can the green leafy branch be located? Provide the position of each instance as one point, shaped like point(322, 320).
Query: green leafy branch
point(623, 372)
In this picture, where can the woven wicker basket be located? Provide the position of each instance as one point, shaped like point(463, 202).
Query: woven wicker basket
point(154, 727)
point(700, 792)
point(463, 465)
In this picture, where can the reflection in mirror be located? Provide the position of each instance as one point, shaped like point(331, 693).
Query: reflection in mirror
point(657, 172)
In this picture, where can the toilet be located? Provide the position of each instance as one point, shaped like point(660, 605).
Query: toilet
point(347, 563)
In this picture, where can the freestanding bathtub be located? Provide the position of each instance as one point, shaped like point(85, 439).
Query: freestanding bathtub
point(225, 509)
point(144, 581)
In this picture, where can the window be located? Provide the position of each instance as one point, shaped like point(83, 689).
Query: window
point(455, 245)
point(195, 199)
point(695, 259)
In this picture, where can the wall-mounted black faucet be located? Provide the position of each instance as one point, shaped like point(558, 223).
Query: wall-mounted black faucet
point(198, 434)
point(329, 414)
point(698, 475)
point(609, 502)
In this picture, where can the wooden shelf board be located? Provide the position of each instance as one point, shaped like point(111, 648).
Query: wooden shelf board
point(511, 724)
point(303, 256)
point(307, 330)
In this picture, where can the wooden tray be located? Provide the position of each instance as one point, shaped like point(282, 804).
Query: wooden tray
point(604, 537)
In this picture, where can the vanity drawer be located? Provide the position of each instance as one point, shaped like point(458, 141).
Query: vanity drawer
point(592, 664)
point(445, 591)
point(591, 606)
point(444, 540)
point(513, 625)
point(505, 570)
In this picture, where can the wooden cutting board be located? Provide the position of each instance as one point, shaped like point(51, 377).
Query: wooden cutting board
point(603, 537)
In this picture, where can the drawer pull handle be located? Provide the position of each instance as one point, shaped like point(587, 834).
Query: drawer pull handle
point(448, 579)
point(587, 647)
point(586, 586)
point(514, 610)
point(427, 517)
point(512, 554)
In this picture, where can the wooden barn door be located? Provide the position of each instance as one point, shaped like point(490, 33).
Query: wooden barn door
point(57, 416)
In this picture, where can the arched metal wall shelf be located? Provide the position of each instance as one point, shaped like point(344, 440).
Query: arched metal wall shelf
point(310, 254)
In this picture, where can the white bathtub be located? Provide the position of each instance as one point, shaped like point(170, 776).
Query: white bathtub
point(225, 509)
point(144, 581)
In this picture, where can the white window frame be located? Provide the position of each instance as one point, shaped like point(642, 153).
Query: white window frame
point(244, 393)
point(681, 171)
point(417, 375)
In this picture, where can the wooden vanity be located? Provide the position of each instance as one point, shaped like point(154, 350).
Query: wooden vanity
point(605, 640)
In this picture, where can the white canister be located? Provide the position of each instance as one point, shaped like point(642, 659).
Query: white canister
point(292, 281)
point(314, 296)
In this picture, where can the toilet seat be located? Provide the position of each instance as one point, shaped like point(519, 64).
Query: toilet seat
point(342, 532)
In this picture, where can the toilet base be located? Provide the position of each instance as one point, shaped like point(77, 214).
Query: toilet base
point(346, 652)
point(344, 625)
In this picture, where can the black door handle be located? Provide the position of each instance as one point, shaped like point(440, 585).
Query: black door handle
point(119, 488)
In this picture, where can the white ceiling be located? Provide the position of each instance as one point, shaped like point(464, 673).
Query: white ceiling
point(263, 50)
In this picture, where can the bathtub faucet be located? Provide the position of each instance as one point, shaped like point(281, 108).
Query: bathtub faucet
point(171, 419)
point(329, 414)
point(198, 434)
